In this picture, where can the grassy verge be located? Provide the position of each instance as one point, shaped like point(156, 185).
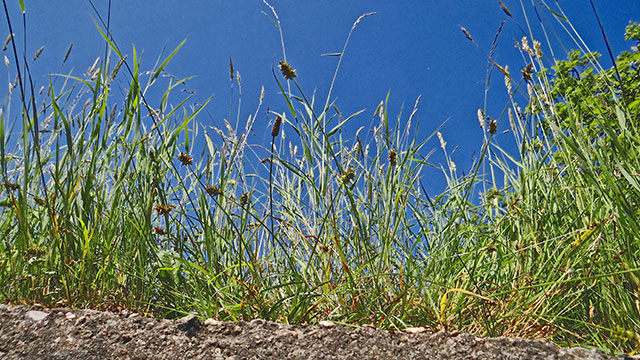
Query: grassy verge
point(110, 204)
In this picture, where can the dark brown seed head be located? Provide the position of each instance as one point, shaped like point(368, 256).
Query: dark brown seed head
point(393, 157)
point(504, 8)
point(493, 126)
point(66, 55)
point(164, 209)
point(526, 72)
point(185, 159)
point(158, 230)
point(466, 33)
point(243, 199)
point(287, 71)
point(275, 130)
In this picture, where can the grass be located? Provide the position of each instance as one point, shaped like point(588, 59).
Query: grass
point(110, 204)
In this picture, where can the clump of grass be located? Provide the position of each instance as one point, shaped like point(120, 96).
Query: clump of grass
point(116, 207)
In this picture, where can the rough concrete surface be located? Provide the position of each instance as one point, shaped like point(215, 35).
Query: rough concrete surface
point(33, 333)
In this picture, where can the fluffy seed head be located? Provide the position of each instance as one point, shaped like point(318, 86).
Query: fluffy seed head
point(481, 119)
point(538, 48)
point(443, 143)
point(526, 47)
point(512, 120)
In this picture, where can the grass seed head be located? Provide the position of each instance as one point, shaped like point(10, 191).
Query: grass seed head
point(287, 71)
point(244, 198)
point(117, 68)
point(443, 144)
point(512, 120)
point(6, 42)
point(66, 54)
point(526, 47)
point(466, 33)
point(38, 53)
point(481, 119)
point(504, 8)
point(538, 49)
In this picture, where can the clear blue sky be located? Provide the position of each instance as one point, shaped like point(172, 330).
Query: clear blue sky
point(409, 48)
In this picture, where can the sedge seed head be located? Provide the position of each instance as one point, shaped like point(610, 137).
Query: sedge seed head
point(493, 126)
point(11, 186)
point(275, 130)
point(527, 72)
point(347, 176)
point(40, 201)
point(164, 209)
point(185, 159)
point(213, 190)
point(393, 157)
point(287, 71)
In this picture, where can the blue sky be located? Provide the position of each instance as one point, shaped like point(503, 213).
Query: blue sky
point(408, 48)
